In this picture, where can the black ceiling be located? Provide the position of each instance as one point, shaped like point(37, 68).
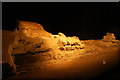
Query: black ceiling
point(85, 20)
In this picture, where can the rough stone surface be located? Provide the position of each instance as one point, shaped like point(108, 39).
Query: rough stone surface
point(31, 38)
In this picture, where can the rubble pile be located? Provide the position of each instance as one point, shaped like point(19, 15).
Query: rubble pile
point(68, 43)
point(109, 37)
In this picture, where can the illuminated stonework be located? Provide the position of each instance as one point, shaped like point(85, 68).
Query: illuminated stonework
point(31, 38)
point(68, 43)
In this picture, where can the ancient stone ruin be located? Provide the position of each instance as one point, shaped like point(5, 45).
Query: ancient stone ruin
point(30, 37)
point(32, 43)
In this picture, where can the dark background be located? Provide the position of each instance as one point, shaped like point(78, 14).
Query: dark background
point(85, 20)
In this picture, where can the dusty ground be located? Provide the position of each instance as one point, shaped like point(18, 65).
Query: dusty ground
point(98, 57)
